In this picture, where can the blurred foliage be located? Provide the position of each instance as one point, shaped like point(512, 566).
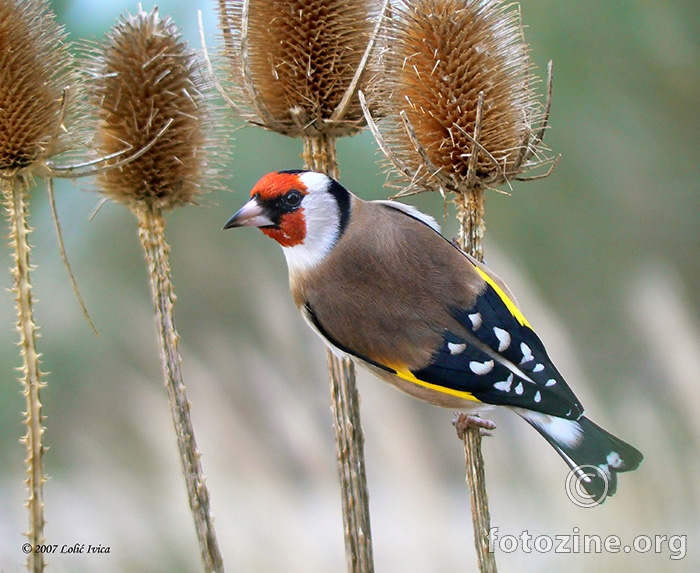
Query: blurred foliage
point(603, 256)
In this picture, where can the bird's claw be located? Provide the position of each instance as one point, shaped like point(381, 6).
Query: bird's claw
point(463, 422)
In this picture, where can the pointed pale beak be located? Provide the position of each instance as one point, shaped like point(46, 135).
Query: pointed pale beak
point(252, 214)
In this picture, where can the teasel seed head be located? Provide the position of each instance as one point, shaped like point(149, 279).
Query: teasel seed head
point(457, 103)
point(150, 95)
point(36, 80)
point(295, 65)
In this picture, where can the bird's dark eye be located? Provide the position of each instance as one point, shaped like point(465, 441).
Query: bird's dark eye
point(293, 198)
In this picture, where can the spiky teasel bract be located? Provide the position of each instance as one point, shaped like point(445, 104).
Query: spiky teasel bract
point(149, 90)
point(457, 99)
point(36, 78)
point(295, 65)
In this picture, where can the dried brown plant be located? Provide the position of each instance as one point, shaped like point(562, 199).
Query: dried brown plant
point(295, 67)
point(459, 114)
point(457, 100)
point(147, 86)
point(36, 81)
point(147, 82)
point(35, 70)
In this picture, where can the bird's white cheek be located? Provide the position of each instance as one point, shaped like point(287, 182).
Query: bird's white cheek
point(321, 235)
point(321, 226)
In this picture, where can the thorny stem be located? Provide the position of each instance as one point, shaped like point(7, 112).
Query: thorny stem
point(320, 155)
point(152, 236)
point(470, 214)
point(15, 199)
point(481, 518)
point(349, 441)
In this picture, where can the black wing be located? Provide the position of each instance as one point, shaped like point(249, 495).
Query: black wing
point(500, 361)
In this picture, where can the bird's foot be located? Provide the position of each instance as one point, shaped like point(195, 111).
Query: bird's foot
point(463, 422)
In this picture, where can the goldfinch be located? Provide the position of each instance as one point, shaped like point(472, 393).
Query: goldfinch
point(379, 283)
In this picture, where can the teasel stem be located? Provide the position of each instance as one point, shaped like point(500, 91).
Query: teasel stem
point(320, 155)
point(470, 214)
point(349, 441)
point(152, 235)
point(478, 499)
point(15, 196)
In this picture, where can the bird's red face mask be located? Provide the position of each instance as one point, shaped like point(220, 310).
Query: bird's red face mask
point(275, 207)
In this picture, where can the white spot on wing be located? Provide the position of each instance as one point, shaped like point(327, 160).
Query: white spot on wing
point(475, 320)
point(538, 367)
point(519, 388)
point(527, 353)
point(481, 367)
point(505, 385)
point(551, 382)
point(456, 348)
point(538, 396)
point(503, 338)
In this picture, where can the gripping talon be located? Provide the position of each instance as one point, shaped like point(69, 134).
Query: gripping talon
point(463, 422)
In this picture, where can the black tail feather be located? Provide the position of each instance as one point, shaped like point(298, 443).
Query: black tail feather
point(596, 458)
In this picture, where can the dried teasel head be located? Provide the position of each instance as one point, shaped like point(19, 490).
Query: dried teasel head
point(149, 92)
point(35, 81)
point(459, 110)
point(296, 65)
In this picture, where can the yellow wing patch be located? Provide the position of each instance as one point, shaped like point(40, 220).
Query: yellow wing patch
point(407, 375)
point(510, 305)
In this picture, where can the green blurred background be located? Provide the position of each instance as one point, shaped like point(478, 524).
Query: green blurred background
point(603, 256)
